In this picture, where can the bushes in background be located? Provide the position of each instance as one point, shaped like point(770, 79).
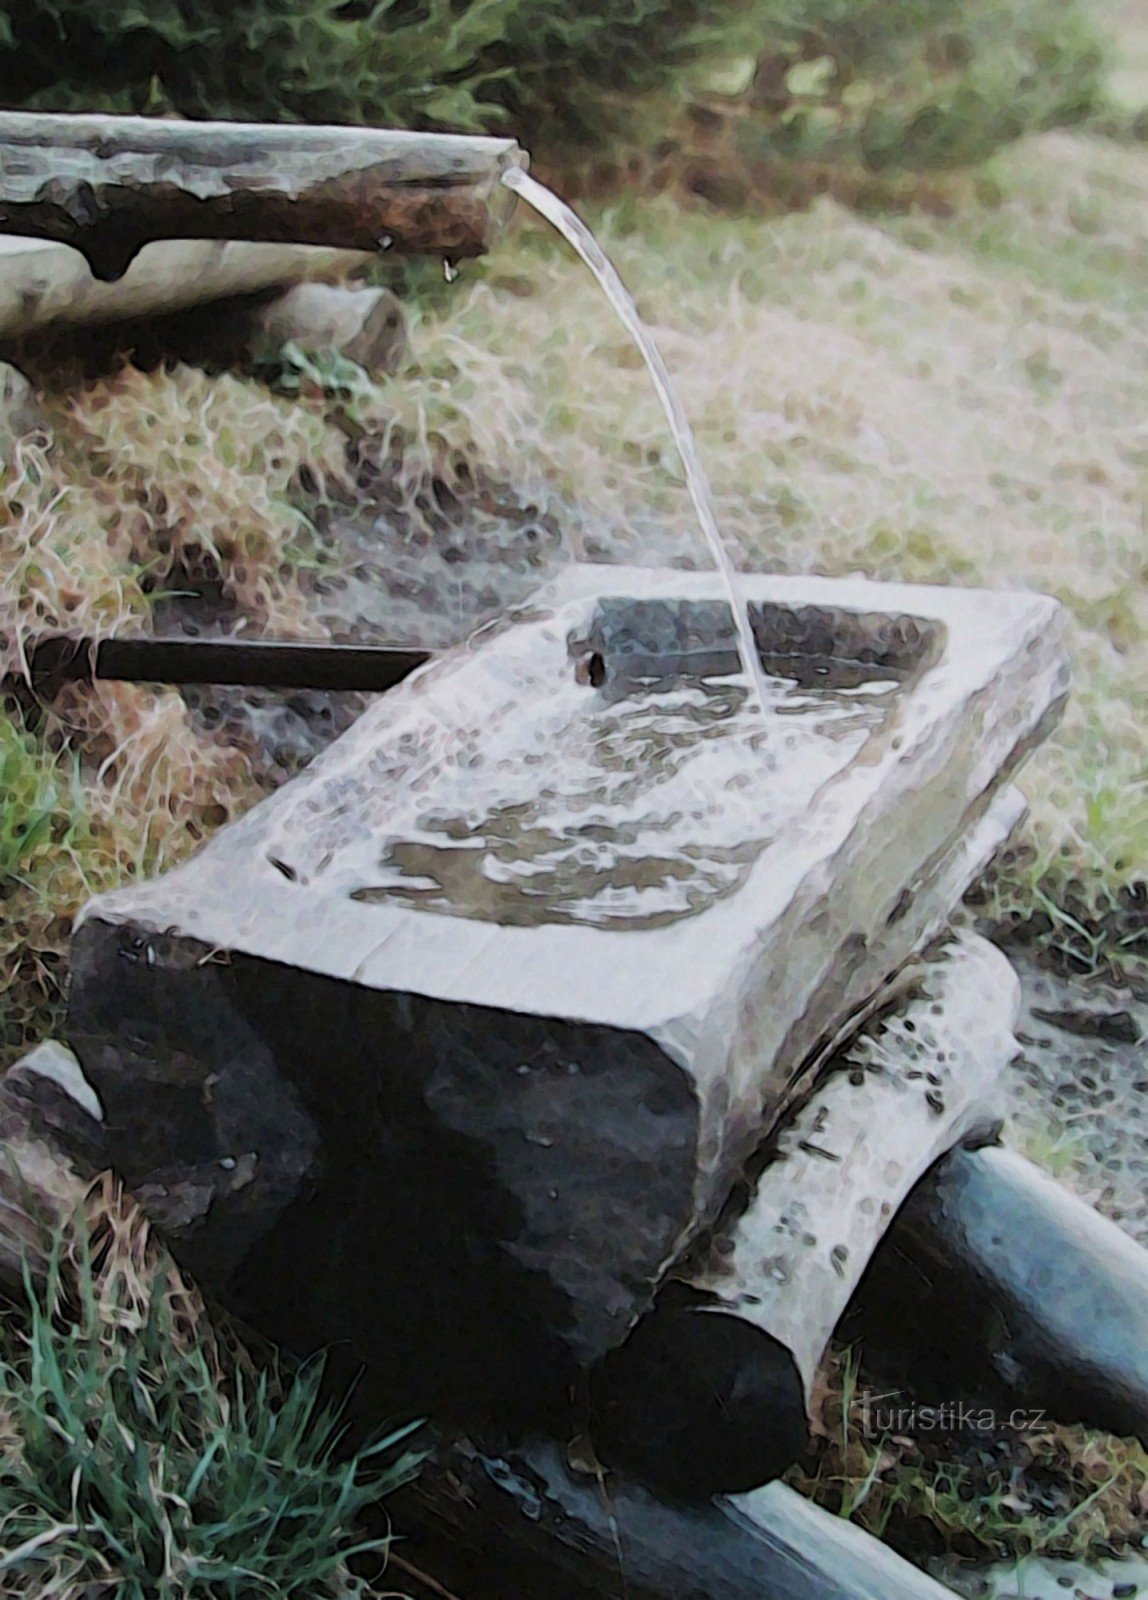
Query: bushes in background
point(921, 83)
point(408, 63)
point(917, 83)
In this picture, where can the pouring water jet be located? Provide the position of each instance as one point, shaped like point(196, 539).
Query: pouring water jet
point(578, 235)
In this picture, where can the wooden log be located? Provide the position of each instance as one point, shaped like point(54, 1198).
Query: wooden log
point(108, 185)
point(1011, 1290)
point(364, 324)
point(49, 286)
point(482, 1525)
point(713, 1396)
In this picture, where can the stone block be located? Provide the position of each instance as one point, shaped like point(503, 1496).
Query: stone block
point(457, 1042)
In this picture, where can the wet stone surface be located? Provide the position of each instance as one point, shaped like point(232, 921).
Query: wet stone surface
point(640, 811)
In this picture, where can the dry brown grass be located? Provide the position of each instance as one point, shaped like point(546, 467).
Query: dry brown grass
point(145, 483)
point(1057, 1491)
point(199, 478)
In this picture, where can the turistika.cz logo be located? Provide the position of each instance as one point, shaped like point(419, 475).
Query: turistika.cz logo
point(880, 1416)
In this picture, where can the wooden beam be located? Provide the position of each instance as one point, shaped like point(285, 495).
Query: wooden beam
point(482, 1526)
point(109, 185)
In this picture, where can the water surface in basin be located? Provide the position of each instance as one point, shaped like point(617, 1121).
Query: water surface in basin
point(638, 809)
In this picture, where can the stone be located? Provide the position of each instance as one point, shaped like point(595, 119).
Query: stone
point(20, 412)
point(1118, 1027)
point(56, 1064)
point(452, 1047)
point(52, 1143)
point(366, 325)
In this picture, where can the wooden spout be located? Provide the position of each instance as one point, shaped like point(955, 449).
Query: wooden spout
point(109, 185)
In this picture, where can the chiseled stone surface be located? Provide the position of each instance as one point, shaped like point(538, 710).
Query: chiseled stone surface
point(392, 1119)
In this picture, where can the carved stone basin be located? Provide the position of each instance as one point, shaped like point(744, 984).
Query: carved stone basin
point(495, 999)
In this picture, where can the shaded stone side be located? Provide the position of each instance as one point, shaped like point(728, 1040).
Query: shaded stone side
point(198, 1119)
point(657, 637)
point(472, 1202)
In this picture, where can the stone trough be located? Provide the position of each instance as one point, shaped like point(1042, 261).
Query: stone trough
point(495, 1001)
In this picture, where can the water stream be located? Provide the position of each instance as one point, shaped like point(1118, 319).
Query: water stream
point(577, 234)
point(626, 812)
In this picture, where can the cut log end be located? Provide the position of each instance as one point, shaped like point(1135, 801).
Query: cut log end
point(697, 1403)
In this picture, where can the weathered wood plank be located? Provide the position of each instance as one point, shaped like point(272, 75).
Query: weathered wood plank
point(108, 185)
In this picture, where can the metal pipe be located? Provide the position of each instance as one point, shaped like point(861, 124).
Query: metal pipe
point(270, 663)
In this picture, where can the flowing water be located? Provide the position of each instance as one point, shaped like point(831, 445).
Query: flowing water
point(630, 812)
point(577, 234)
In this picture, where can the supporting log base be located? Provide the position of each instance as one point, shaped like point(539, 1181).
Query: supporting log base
point(485, 1526)
point(999, 1287)
point(712, 1397)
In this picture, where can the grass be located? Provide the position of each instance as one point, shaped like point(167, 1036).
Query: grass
point(1054, 1491)
point(143, 1454)
point(142, 483)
